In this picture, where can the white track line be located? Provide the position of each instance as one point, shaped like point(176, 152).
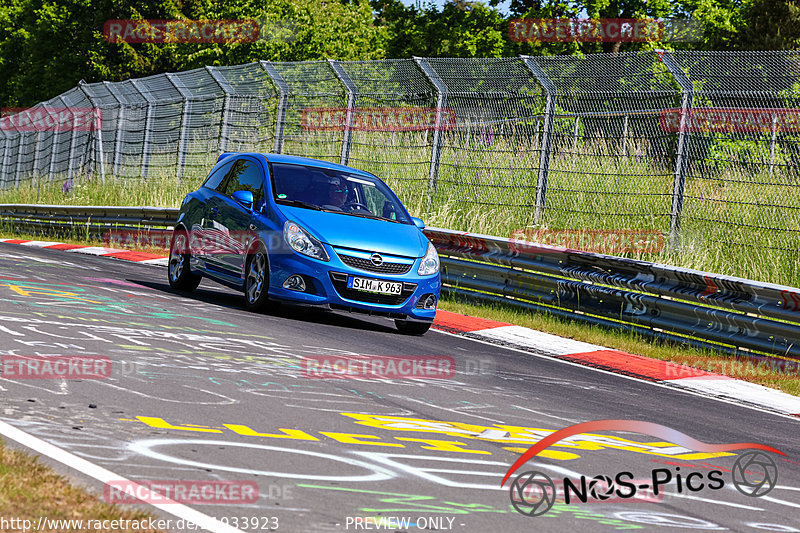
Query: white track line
point(99, 473)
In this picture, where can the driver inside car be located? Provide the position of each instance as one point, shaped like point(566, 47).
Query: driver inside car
point(337, 194)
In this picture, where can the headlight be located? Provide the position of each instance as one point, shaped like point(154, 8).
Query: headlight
point(430, 263)
point(301, 242)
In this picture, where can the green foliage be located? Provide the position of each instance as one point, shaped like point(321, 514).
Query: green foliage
point(770, 25)
point(48, 46)
point(465, 30)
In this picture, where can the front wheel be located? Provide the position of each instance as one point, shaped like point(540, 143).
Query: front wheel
point(409, 327)
point(256, 284)
point(180, 276)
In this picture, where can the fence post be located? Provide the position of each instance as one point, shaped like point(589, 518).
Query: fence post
point(575, 134)
point(436, 144)
point(97, 132)
point(772, 143)
point(7, 153)
point(148, 126)
point(344, 77)
point(624, 139)
point(227, 90)
point(682, 155)
point(547, 135)
point(183, 140)
point(23, 140)
point(119, 131)
point(53, 146)
point(3, 159)
point(37, 152)
point(283, 100)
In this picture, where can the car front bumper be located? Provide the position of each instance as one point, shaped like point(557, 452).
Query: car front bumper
point(326, 286)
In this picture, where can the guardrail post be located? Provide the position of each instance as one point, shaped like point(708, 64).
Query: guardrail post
point(682, 154)
point(148, 126)
point(344, 77)
point(97, 132)
point(119, 131)
point(227, 90)
point(547, 134)
point(283, 101)
point(436, 144)
point(183, 140)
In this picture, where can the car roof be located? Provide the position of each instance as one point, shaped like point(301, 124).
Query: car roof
point(297, 160)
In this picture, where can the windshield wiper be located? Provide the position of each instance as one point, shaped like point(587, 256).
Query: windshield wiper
point(299, 203)
point(369, 215)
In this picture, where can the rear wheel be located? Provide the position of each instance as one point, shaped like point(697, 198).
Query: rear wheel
point(180, 276)
point(256, 283)
point(409, 327)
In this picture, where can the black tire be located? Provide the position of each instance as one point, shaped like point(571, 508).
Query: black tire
point(178, 272)
point(408, 327)
point(256, 281)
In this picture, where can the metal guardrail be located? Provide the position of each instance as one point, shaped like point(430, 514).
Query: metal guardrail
point(699, 308)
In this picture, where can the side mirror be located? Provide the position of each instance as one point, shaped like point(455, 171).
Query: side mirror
point(418, 222)
point(245, 198)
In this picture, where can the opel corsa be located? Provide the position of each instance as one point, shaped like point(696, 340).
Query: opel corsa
point(293, 229)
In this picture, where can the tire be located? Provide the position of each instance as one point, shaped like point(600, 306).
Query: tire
point(408, 327)
point(256, 282)
point(178, 272)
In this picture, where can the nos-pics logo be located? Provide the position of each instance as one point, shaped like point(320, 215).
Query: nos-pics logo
point(533, 493)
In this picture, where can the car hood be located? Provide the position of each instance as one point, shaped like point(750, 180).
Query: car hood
point(359, 233)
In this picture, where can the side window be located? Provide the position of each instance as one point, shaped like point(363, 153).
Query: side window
point(245, 176)
point(215, 178)
point(378, 204)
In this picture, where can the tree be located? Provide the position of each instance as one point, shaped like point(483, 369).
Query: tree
point(48, 46)
point(770, 25)
point(475, 31)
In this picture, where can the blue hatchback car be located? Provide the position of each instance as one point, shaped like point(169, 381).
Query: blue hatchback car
point(284, 228)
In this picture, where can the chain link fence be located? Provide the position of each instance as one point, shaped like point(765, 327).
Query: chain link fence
point(703, 147)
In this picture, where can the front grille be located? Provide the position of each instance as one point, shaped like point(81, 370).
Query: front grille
point(384, 268)
point(339, 281)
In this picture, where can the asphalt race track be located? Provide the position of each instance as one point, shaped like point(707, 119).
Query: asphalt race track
point(200, 389)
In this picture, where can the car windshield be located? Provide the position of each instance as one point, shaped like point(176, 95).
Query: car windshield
point(335, 191)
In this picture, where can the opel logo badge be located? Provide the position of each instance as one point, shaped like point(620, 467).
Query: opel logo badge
point(376, 259)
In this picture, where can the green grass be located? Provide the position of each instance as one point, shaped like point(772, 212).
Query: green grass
point(30, 490)
point(736, 222)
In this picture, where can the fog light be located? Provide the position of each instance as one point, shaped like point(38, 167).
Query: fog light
point(295, 283)
point(427, 302)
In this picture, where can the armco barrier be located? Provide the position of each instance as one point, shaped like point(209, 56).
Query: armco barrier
point(699, 308)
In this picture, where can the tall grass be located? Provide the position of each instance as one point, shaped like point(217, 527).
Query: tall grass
point(736, 221)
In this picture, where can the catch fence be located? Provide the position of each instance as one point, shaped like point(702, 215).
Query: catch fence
point(703, 147)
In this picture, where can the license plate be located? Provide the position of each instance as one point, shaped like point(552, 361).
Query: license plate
point(375, 285)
